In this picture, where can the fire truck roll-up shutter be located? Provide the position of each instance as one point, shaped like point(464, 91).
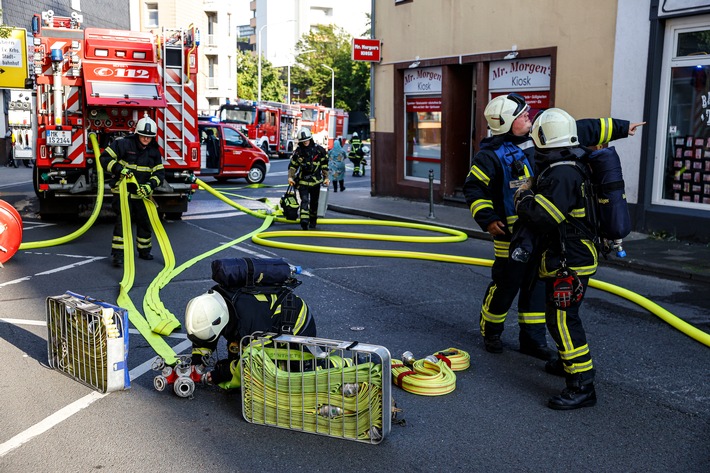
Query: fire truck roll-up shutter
point(123, 85)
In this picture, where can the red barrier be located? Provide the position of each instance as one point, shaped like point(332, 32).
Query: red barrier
point(10, 231)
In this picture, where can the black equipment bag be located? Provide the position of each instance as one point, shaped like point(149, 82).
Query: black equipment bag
point(251, 272)
point(289, 204)
point(613, 219)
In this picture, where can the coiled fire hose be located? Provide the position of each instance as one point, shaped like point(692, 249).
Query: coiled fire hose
point(343, 401)
point(430, 376)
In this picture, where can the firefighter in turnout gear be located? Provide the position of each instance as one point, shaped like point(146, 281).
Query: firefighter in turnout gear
point(236, 314)
point(504, 162)
point(138, 155)
point(357, 156)
point(307, 171)
point(553, 207)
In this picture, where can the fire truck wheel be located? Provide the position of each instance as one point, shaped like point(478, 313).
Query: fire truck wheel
point(173, 216)
point(35, 181)
point(257, 174)
point(265, 148)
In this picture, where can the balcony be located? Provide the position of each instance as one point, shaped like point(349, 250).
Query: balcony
point(210, 5)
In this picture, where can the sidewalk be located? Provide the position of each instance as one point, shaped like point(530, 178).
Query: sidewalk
point(677, 259)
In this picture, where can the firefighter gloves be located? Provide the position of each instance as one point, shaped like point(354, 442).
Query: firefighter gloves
point(145, 190)
point(126, 172)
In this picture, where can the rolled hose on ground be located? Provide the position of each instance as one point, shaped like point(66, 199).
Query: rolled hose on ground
point(430, 376)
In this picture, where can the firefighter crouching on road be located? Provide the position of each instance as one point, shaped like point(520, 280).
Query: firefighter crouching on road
point(357, 156)
point(553, 209)
point(235, 315)
point(307, 170)
point(138, 155)
point(504, 162)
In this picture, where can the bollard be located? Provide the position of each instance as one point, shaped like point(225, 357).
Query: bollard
point(431, 194)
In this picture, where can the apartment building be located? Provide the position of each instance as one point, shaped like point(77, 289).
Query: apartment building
point(217, 22)
point(640, 60)
point(278, 25)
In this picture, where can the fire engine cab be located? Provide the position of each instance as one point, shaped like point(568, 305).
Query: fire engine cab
point(272, 126)
point(103, 81)
point(326, 124)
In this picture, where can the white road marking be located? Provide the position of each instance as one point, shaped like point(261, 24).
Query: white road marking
point(62, 414)
point(88, 259)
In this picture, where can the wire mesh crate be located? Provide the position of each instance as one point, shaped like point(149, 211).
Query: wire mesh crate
point(88, 340)
point(326, 387)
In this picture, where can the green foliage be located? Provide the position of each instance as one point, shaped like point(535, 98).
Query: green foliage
point(5, 31)
point(331, 45)
point(272, 87)
point(326, 44)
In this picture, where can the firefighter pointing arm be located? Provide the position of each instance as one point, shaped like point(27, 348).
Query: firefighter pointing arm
point(134, 155)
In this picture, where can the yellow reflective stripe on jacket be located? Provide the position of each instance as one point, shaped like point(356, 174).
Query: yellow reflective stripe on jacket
point(605, 131)
point(479, 205)
point(480, 175)
point(578, 213)
point(511, 219)
point(550, 208)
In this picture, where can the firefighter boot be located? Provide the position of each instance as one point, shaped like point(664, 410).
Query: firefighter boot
point(533, 342)
point(578, 393)
point(304, 224)
point(145, 254)
point(556, 367)
point(491, 335)
point(342, 185)
point(117, 259)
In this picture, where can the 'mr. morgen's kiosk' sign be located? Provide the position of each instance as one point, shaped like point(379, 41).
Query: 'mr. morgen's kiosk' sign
point(520, 74)
point(423, 81)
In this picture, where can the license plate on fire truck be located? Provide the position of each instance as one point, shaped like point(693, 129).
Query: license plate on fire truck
point(58, 138)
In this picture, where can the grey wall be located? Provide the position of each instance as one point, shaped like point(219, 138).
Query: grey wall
point(97, 13)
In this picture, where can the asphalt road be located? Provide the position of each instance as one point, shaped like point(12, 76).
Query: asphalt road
point(653, 386)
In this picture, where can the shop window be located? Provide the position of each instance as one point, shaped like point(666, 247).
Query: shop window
point(423, 136)
point(685, 177)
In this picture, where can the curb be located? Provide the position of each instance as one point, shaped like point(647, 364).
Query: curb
point(627, 264)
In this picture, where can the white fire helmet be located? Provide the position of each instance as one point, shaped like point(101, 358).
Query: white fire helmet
point(146, 127)
point(554, 128)
point(304, 134)
point(502, 111)
point(206, 316)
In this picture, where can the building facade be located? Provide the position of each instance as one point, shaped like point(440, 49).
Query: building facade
point(217, 22)
point(279, 25)
point(640, 60)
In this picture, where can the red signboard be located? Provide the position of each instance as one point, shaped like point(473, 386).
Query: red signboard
point(366, 50)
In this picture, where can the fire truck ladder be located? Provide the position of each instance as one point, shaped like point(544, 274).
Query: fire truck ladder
point(174, 78)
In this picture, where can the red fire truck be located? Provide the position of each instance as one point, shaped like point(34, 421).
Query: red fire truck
point(103, 81)
point(271, 126)
point(326, 124)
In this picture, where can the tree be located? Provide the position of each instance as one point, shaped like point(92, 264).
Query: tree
point(272, 87)
point(330, 45)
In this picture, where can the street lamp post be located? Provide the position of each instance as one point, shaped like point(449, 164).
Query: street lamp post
point(332, 85)
point(258, 51)
point(289, 72)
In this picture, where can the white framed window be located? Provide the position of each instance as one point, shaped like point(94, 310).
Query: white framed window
point(682, 164)
point(151, 15)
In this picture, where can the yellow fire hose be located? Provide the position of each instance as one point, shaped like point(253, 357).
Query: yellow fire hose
point(431, 376)
point(164, 322)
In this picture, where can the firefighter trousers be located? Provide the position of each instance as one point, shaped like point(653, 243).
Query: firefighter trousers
point(509, 279)
point(139, 215)
point(567, 331)
point(310, 195)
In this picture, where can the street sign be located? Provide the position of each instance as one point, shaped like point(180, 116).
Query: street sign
point(367, 50)
point(13, 60)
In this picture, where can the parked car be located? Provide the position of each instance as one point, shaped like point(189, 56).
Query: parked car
point(227, 153)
